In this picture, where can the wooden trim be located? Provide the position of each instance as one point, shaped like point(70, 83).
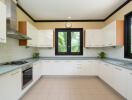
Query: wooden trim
point(87, 20)
point(127, 36)
point(22, 28)
point(120, 32)
point(25, 12)
point(124, 4)
point(68, 30)
point(53, 38)
point(84, 39)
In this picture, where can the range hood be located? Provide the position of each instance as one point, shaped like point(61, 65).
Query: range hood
point(12, 22)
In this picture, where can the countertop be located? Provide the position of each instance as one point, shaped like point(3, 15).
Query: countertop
point(121, 63)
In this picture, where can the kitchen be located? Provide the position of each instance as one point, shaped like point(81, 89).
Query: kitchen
point(76, 55)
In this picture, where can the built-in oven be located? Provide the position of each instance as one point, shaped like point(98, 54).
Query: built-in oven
point(27, 75)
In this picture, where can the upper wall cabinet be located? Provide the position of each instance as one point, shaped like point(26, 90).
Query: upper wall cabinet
point(93, 38)
point(2, 22)
point(111, 35)
point(46, 38)
point(28, 29)
point(114, 34)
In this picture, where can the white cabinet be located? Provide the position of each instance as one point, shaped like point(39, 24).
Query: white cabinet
point(69, 67)
point(37, 68)
point(106, 73)
point(32, 32)
point(86, 67)
point(114, 33)
point(28, 29)
point(45, 38)
point(10, 85)
point(110, 35)
point(120, 83)
point(129, 86)
point(93, 38)
point(58, 67)
point(2, 22)
point(115, 76)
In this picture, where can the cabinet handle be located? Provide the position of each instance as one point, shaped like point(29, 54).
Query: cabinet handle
point(118, 69)
point(14, 73)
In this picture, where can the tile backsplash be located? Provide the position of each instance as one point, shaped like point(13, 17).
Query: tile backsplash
point(12, 51)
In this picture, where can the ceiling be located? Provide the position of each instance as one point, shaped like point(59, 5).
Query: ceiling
point(76, 9)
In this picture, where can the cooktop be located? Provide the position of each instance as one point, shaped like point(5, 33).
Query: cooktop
point(15, 63)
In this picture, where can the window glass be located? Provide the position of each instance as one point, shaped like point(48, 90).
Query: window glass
point(62, 41)
point(75, 41)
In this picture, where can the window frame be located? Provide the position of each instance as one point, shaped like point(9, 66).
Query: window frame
point(68, 30)
point(127, 36)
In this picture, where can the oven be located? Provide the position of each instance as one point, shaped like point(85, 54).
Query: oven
point(27, 75)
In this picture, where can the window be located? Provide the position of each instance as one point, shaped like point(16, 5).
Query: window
point(128, 35)
point(69, 41)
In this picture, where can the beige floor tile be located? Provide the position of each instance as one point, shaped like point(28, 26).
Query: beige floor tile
point(71, 89)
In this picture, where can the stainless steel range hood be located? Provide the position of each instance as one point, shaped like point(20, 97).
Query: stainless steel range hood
point(12, 22)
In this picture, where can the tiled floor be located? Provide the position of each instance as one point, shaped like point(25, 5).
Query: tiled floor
point(90, 88)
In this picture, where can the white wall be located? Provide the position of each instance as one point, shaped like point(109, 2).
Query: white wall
point(117, 53)
point(12, 51)
point(51, 52)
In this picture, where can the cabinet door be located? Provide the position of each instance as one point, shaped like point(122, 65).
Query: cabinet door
point(33, 34)
point(120, 83)
point(10, 85)
point(45, 38)
point(106, 73)
point(93, 38)
point(129, 86)
point(36, 71)
point(110, 34)
point(2, 23)
point(84, 67)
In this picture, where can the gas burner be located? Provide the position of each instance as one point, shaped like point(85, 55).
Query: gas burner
point(16, 63)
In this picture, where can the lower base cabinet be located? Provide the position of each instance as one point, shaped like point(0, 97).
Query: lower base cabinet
point(118, 78)
point(120, 83)
point(69, 67)
point(36, 70)
point(10, 85)
point(115, 76)
point(129, 86)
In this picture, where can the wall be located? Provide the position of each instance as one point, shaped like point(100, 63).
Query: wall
point(11, 50)
point(119, 51)
point(85, 25)
point(53, 25)
point(111, 52)
point(86, 53)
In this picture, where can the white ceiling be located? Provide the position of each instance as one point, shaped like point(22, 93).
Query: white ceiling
point(77, 9)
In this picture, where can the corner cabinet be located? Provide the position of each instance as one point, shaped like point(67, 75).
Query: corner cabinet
point(114, 33)
point(28, 29)
point(129, 86)
point(46, 38)
point(2, 22)
point(110, 35)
